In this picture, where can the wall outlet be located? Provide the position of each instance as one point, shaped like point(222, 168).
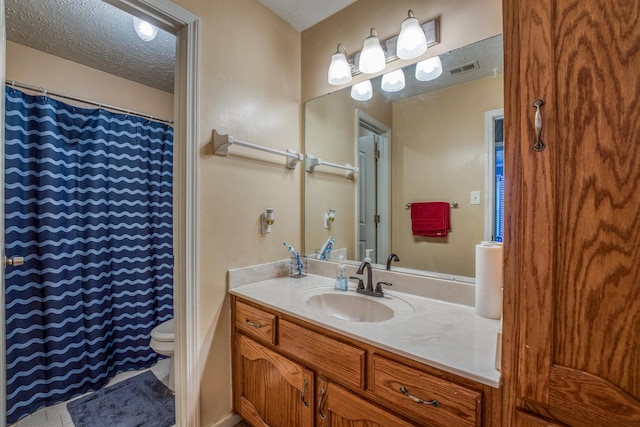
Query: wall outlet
point(475, 198)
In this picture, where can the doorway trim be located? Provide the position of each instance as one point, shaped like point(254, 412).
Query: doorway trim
point(3, 316)
point(186, 27)
point(383, 193)
point(489, 170)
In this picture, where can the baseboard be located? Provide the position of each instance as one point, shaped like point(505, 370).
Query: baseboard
point(228, 421)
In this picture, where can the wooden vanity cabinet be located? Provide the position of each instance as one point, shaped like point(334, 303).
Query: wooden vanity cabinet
point(272, 389)
point(338, 407)
point(433, 401)
point(275, 355)
point(572, 297)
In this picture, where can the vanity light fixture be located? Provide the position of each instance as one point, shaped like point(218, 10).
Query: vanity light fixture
point(393, 81)
point(429, 69)
point(362, 91)
point(377, 53)
point(267, 220)
point(339, 70)
point(145, 31)
point(411, 41)
point(372, 58)
point(329, 218)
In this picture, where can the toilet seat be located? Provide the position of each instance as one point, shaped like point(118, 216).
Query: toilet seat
point(163, 332)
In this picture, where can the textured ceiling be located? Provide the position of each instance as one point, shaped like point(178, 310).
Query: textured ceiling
point(95, 34)
point(302, 14)
point(98, 35)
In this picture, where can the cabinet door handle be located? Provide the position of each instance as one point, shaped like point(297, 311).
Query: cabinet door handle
point(322, 393)
point(433, 402)
point(539, 145)
point(250, 323)
point(304, 389)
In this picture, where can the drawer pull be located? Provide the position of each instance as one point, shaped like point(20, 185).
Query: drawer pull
point(250, 323)
point(322, 393)
point(539, 145)
point(304, 389)
point(433, 402)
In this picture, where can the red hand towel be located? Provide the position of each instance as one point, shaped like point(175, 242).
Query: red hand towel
point(430, 219)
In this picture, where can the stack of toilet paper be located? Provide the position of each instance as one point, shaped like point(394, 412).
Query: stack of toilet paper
point(489, 260)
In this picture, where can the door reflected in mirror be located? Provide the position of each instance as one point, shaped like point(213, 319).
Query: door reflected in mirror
point(433, 141)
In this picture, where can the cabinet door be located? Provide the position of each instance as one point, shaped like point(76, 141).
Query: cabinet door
point(572, 267)
point(273, 390)
point(338, 407)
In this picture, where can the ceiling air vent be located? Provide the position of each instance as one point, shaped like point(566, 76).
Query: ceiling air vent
point(463, 68)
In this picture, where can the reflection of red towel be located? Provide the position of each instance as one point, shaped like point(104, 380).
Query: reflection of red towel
point(430, 219)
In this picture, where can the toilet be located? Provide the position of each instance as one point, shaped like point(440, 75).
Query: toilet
point(162, 343)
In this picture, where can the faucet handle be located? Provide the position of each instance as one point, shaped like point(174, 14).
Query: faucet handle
point(360, 282)
point(379, 286)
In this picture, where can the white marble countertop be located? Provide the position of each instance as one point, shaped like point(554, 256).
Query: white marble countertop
point(444, 335)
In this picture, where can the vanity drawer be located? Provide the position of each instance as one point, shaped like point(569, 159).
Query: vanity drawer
point(331, 358)
point(255, 322)
point(458, 405)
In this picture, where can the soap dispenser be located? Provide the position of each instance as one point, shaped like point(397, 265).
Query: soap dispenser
point(367, 257)
point(341, 278)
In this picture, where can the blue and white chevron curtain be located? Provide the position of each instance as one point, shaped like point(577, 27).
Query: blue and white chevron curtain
point(88, 203)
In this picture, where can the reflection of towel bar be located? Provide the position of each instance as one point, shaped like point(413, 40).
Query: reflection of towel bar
point(453, 205)
point(222, 142)
point(313, 161)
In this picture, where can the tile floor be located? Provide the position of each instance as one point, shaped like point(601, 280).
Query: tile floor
point(58, 416)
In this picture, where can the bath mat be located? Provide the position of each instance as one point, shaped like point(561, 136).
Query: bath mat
point(140, 401)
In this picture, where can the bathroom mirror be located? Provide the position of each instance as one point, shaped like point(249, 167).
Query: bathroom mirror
point(431, 141)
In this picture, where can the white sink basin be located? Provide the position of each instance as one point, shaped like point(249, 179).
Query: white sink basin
point(350, 307)
point(355, 307)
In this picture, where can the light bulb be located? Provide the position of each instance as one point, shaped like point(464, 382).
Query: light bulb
point(393, 81)
point(145, 31)
point(362, 91)
point(411, 42)
point(339, 70)
point(429, 69)
point(372, 57)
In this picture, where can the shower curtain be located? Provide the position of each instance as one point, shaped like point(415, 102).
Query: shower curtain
point(88, 203)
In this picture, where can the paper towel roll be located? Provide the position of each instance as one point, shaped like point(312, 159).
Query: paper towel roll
point(488, 280)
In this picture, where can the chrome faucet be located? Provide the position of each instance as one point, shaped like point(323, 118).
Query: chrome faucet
point(392, 257)
point(377, 292)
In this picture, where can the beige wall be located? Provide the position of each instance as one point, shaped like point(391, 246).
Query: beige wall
point(438, 154)
point(462, 22)
point(331, 134)
point(250, 88)
point(31, 66)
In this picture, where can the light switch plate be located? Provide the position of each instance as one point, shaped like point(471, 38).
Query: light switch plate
point(475, 198)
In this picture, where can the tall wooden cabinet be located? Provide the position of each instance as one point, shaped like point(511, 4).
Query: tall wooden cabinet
point(571, 354)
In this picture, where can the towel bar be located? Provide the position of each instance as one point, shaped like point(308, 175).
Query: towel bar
point(453, 205)
point(222, 142)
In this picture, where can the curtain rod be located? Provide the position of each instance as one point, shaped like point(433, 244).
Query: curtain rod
point(46, 92)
